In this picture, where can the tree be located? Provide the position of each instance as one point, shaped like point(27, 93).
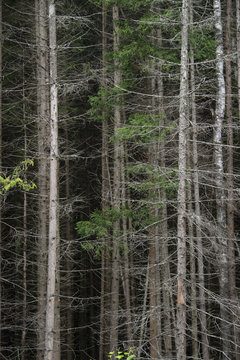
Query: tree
point(116, 192)
point(53, 191)
point(181, 227)
point(220, 194)
point(43, 154)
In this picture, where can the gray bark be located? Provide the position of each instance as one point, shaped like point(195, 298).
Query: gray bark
point(220, 193)
point(230, 180)
point(24, 315)
point(1, 44)
point(201, 283)
point(238, 51)
point(116, 194)
point(106, 190)
point(53, 196)
point(181, 227)
point(43, 139)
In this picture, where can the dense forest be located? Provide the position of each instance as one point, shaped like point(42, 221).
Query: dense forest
point(119, 179)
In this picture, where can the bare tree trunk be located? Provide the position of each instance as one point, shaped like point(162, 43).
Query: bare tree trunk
point(201, 284)
point(194, 327)
point(238, 51)
point(163, 228)
point(181, 227)
point(1, 44)
point(220, 194)
point(143, 317)
point(154, 258)
point(116, 193)
point(230, 202)
point(68, 259)
point(42, 124)
point(106, 189)
point(125, 266)
point(24, 315)
point(53, 203)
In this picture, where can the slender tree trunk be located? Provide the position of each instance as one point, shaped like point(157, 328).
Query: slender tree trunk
point(1, 44)
point(194, 327)
point(163, 227)
point(201, 284)
point(126, 268)
point(106, 189)
point(43, 155)
point(238, 51)
point(220, 193)
point(24, 331)
point(68, 259)
point(116, 193)
point(144, 311)
point(230, 202)
point(154, 284)
point(53, 203)
point(181, 227)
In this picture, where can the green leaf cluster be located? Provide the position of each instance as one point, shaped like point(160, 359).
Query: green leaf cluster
point(101, 222)
point(154, 180)
point(16, 179)
point(125, 355)
point(144, 128)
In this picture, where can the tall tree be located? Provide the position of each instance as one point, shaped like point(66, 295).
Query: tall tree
point(116, 190)
point(230, 169)
point(220, 192)
point(202, 295)
point(106, 189)
point(181, 227)
point(43, 163)
point(1, 44)
point(53, 240)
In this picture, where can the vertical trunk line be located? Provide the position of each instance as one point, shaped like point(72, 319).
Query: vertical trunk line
point(181, 227)
point(220, 192)
point(53, 197)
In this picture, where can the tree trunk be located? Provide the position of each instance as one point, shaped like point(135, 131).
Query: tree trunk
point(53, 196)
point(24, 315)
point(125, 265)
point(43, 155)
point(230, 201)
point(163, 227)
point(68, 253)
point(1, 300)
point(238, 52)
point(154, 288)
point(116, 193)
point(201, 284)
point(194, 326)
point(181, 226)
point(220, 194)
point(106, 190)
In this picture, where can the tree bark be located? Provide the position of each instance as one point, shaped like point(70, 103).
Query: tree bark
point(24, 314)
point(116, 192)
point(238, 51)
point(53, 196)
point(181, 227)
point(125, 265)
point(220, 193)
point(201, 283)
point(106, 190)
point(68, 255)
point(230, 185)
point(43, 155)
point(1, 44)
